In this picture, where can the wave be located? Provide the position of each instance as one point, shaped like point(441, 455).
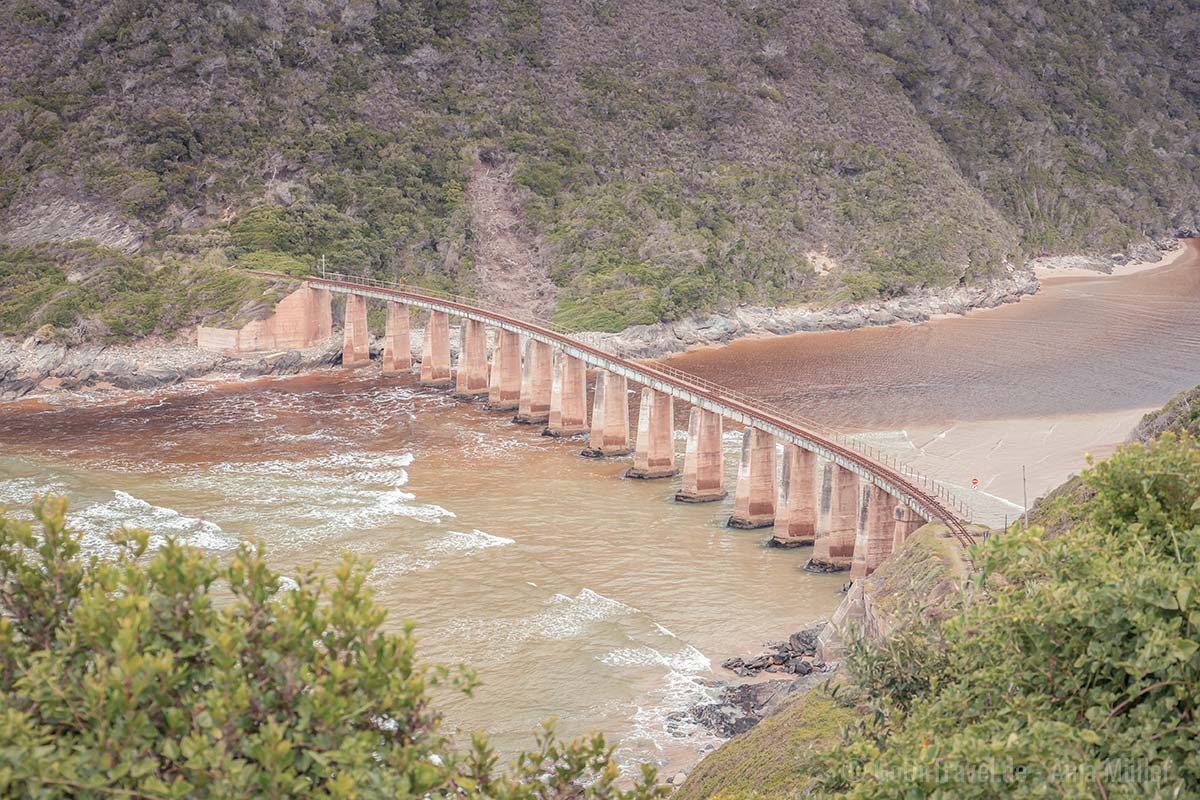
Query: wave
point(688, 660)
point(459, 542)
point(564, 618)
point(97, 522)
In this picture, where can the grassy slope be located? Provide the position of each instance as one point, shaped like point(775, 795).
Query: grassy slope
point(776, 758)
point(670, 158)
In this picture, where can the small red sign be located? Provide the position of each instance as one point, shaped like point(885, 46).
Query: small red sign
point(974, 483)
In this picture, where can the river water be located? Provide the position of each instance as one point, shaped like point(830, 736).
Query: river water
point(576, 594)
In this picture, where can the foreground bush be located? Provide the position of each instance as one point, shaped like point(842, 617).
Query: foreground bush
point(176, 675)
point(1075, 672)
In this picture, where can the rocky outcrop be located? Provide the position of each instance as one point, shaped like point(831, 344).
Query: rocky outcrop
point(57, 219)
point(740, 706)
point(652, 341)
point(44, 366)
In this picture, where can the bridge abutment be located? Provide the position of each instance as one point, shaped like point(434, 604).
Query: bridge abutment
point(397, 346)
point(754, 498)
point(703, 461)
point(654, 452)
point(537, 378)
point(471, 377)
point(356, 350)
point(435, 352)
point(906, 522)
point(796, 513)
point(568, 397)
point(610, 417)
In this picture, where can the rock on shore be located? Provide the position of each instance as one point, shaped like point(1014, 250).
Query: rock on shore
point(664, 338)
point(741, 706)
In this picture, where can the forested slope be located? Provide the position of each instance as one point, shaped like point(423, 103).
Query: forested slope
point(642, 159)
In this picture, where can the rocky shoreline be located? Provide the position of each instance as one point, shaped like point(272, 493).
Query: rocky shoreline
point(710, 330)
point(39, 367)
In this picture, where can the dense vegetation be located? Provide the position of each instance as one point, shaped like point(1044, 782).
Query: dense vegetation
point(170, 674)
point(78, 291)
point(1073, 672)
point(664, 157)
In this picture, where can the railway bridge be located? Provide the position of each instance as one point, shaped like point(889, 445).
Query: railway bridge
point(852, 504)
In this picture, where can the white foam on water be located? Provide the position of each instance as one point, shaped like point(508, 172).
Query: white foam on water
point(460, 542)
point(98, 521)
point(389, 568)
point(315, 436)
point(688, 660)
point(564, 618)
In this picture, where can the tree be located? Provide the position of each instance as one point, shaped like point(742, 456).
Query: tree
point(172, 674)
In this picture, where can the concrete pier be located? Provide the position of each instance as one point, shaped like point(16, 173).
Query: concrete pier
point(568, 397)
point(875, 529)
point(703, 461)
point(397, 346)
point(504, 387)
point(356, 350)
point(906, 522)
point(796, 513)
point(654, 451)
point(537, 380)
point(837, 523)
point(435, 352)
point(471, 376)
point(754, 499)
point(610, 417)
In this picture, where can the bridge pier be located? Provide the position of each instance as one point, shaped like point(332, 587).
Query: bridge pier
point(471, 377)
point(654, 453)
point(703, 461)
point(610, 417)
point(833, 545)
point(568, 397)
point(435, 352)
point(537, 378)
point(876, 528)
point(356, 350)
point(796, 513)
point(907, 522)
point(754, 499)
point(504, 386)
point(397, 346)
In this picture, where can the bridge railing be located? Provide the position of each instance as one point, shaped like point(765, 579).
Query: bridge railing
point(943, 493)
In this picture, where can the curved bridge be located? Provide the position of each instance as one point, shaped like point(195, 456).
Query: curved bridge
point(853, 504)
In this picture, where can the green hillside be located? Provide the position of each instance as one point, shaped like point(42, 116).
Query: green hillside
point(610, 162)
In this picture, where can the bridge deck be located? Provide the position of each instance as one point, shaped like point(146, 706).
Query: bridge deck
point(927, 498)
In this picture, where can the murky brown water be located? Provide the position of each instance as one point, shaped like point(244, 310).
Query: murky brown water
point(574, 593)
point(1082, 344)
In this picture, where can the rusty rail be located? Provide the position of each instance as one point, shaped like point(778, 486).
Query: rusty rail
point(936, 500)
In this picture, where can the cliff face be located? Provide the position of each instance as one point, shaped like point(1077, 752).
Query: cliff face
point(625, 161)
